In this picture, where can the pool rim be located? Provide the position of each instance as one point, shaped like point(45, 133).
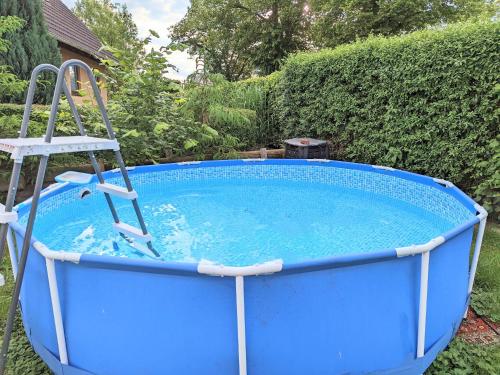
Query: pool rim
point(198, 268)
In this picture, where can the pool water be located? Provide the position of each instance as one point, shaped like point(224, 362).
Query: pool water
point(243, 222)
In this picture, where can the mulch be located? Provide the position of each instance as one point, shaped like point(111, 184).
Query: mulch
point(479, 330)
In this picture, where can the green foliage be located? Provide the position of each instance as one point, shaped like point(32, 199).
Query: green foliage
point(342, 21)
point(462, 358)
point(144, 106)
point(425, 102)
point(111, 22)
point(22, 359)
point(486, 293)
point(10, 122)
point(488, 191)
point(31, 45)
point(268, 133)
point(239, 37)
point(230, 109)
point(9, 83)
point(235, 38)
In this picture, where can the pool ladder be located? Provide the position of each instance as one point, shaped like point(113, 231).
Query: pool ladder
point(43, 147)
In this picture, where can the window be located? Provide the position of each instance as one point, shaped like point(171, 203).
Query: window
point(74, 74)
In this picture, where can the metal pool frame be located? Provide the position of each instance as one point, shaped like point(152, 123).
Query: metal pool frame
point(61, 364)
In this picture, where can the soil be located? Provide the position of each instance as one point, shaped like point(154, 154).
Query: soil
point(476, 329)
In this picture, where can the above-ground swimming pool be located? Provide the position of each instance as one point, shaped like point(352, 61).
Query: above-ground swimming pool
point(266, 266)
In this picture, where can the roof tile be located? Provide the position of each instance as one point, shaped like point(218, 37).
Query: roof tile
point(67, 28)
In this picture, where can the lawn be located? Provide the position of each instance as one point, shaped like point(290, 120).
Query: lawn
point(462, 356)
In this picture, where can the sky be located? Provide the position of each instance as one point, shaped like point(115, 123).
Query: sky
point(159, 15)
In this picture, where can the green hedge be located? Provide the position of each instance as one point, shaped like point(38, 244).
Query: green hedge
point(425, 102)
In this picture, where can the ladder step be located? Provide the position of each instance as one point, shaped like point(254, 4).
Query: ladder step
point(75, 178)
point(143, 249)
point(21, 147)
point(7, 217)
point(116, 190)
point(132, 231)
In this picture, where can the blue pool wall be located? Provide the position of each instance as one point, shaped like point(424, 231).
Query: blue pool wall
point(353, 314)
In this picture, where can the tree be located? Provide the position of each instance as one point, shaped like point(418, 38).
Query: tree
point(342, 21)
point(31, 45)
point(144, 105)
point(236, 38)
point(9, 83)
point(111, 22)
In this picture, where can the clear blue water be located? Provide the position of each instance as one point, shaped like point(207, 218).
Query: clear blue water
point(243, 222)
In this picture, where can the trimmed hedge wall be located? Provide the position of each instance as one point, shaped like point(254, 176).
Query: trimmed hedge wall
point(425, 102)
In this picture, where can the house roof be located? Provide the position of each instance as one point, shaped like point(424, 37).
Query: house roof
point(67, 28)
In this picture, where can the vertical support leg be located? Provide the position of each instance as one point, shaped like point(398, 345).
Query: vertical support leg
point(9, 204)
point(56, 310)
point(22, 264)
point(475, 257)
point(11, 243)
point(240, 316)
point(422, 308)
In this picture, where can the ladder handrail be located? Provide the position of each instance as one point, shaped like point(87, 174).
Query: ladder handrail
point(57, 95)
point(31, 93)
point(60, 86)
point(111, 134)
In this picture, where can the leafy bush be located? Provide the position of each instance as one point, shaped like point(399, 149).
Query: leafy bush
point(425, 102)
point(488, 190)
point(144, 106)
point(230, 109)
point(143, 109)
point(268, 134)
point(462, 358)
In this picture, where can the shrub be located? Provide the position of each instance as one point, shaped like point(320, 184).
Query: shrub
point(230, 109)
point(425, 102)
point(267, 133)
point(462, 358)
point(144, 108)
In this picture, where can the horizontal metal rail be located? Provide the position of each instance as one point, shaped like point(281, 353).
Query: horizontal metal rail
point(213, 269)
point(63, 256)
point(419, 249)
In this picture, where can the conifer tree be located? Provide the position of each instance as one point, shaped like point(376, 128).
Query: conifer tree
point(29, 46)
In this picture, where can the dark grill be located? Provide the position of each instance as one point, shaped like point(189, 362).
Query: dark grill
point(306, 148)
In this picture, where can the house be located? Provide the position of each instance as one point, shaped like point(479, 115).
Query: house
point(75, 41)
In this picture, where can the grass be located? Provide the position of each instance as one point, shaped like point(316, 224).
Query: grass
point(486, 296)
point(22, 359)
point(460, 358)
